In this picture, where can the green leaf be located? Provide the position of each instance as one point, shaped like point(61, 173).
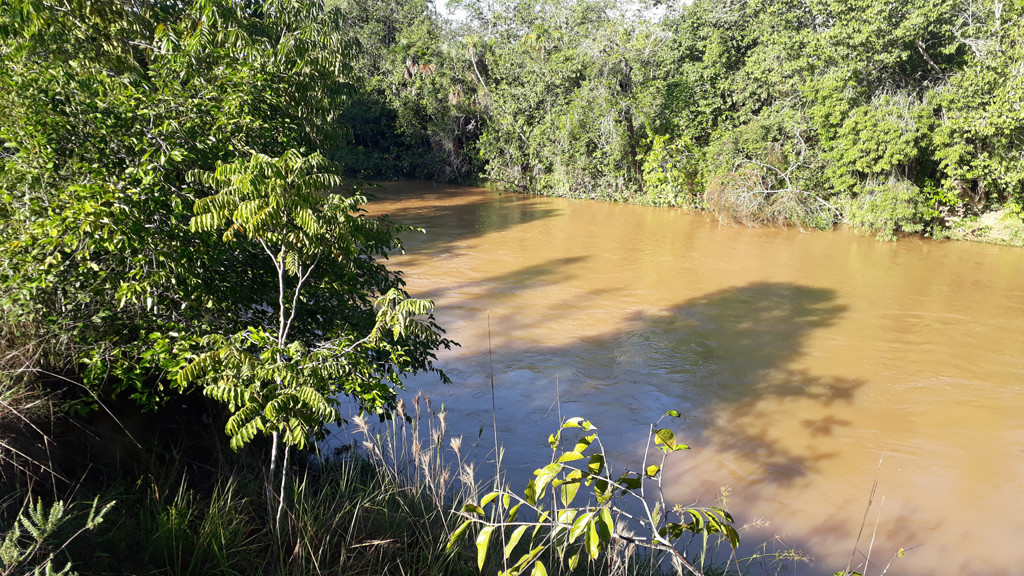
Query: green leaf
point(596, 464)
point(674, 530)
point(530, 492)
point(578, 422)
point(665, 439)
point(652, 471)
point(592, 542)
point(514, 539)
point(565, 518)
point(473, 509)
point(584, 443)
point(568, 491)
point(569, 457)
point(579, 526)
point(457, 536)
point(538, 569)
point(607, 527)
point(545, 475)
point(630, 483)
point(672, 413)
point(553, 440)
point(602, 490)
point(526, 559)
point(732, 535)
point(513, 512)
point(482, 541)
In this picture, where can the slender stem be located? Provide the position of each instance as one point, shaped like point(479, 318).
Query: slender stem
point(864, 520)
point(284, 478)
point(279, 263)
point(494, 421)
point(270, 480)
point(295, 296)
point(643, 467)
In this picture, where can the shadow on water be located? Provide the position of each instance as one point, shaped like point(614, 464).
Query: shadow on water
point(724, 354)
point(462, 213)
point(511, 284)
point(716, 358)
point(726, 360)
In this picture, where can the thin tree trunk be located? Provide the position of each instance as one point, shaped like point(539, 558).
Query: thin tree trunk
point(270, 481)
point(284, 478)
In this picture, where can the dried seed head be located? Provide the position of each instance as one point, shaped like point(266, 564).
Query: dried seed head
point(417, 450)
point(468, 476)
point(360, 421)
point(371, 448)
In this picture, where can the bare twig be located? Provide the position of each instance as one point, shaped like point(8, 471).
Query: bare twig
point(864, 520)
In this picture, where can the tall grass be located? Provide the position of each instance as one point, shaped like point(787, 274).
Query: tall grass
point(383, 508)
point(384, 504)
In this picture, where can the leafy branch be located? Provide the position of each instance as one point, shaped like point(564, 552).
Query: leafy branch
point(272, 381)
point(571, 531)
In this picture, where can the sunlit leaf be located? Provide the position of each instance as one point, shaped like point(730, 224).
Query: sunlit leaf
point(592, 542)
point(513, 540)
point(483, 540)
point(458, 534)
point(569, 457)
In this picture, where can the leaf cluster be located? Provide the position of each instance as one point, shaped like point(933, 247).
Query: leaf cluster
point(117, 124)
point(562, 524)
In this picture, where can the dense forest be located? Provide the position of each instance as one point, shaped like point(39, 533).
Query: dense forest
point(892, 117)
point(180, 206)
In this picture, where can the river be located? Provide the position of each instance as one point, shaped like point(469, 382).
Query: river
point(798, 360)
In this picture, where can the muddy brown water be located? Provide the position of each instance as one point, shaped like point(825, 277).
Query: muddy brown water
point(799, 361)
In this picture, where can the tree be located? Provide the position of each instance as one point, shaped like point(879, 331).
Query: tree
point(282, 380)
point(105, 110)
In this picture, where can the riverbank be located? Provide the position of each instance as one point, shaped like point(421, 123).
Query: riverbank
point(177, 500)
point(1002, 225)
point(110, 492)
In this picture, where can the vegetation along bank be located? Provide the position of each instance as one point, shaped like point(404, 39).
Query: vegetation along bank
point(178, 214)
point(891, 117)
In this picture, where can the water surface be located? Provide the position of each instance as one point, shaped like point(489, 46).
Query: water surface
point(798, 361)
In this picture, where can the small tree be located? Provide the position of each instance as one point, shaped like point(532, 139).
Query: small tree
point(275, 378)
point(582, 515)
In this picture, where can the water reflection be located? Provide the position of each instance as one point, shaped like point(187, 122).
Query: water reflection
point(464, 218)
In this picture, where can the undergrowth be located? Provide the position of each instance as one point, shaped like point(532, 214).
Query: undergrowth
point(388, 502)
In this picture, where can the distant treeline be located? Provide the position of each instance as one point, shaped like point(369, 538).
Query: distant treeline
point(890, 116)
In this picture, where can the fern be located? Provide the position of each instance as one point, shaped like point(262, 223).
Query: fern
point(40, 522)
